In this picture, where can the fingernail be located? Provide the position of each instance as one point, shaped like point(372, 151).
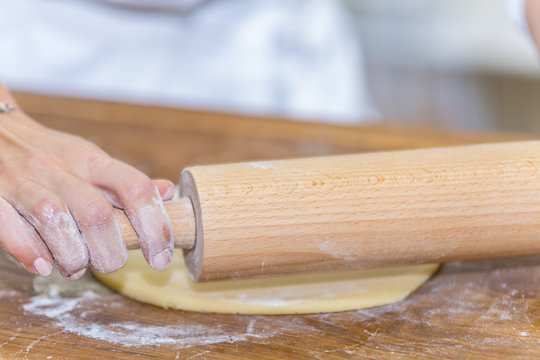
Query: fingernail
point(77, 275)
point(162, 260)
point(43, 267)
point(169, 193)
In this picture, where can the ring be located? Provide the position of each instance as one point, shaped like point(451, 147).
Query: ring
point(6, 107)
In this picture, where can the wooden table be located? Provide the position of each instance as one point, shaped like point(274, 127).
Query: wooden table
point(486, 309)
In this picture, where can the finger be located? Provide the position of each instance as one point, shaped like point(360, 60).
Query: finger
point(96, 222)
point(51, 218)
point(165, 188)
point(142, 203)
point(20, 240)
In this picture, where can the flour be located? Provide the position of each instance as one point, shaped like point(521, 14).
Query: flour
point(462, 297)
point(55, 227)
point(262, 165)
point(71, 307)
point(326, 246)
point(461, 294)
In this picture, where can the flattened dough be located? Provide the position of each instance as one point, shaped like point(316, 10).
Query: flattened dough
point(296, 294)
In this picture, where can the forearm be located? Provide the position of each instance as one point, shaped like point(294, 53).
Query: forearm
point(532, 15)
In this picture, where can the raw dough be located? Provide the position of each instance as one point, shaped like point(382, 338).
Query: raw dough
point(296, 294)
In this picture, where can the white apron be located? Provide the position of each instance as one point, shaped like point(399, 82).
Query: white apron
point(297, 58)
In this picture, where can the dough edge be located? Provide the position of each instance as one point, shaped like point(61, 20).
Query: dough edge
point(293, 294)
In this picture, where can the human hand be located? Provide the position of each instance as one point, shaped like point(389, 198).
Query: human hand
point(57, 193)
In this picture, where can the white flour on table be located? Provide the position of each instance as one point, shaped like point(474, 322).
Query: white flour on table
point(71, 306)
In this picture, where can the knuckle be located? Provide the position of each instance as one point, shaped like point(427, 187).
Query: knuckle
point(48, 208)
point(143, 188)
point(45, 159)
point(97, 213)
point(94, 156)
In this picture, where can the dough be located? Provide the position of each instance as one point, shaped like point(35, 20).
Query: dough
point(295, 294)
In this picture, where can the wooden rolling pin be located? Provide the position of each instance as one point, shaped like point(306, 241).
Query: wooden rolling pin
point(355, 211)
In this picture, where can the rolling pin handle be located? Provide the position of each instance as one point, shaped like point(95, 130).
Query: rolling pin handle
point(182, 220)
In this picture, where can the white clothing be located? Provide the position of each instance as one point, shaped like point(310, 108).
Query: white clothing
point(516, 11)
point(298, 58)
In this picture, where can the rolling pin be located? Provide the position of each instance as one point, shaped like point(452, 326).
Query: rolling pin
point(356, 211)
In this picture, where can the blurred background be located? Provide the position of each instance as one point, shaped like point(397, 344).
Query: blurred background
point(450, 62)
point(442, 63)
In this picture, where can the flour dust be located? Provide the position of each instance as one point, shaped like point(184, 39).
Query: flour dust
point(71, 306)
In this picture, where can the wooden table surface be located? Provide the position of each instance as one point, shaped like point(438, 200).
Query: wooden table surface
point(482, 310)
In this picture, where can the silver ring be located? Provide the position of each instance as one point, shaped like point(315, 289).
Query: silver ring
point(6, 107)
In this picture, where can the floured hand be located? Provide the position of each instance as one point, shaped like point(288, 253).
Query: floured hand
point(57, 193)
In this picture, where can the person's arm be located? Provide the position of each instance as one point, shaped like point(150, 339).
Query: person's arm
point(57, 193)
point(525, 14)
point(532, 16)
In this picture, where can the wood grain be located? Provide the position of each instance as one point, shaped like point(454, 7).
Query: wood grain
point(364, 210)
point(481, 310)
point(182, 220)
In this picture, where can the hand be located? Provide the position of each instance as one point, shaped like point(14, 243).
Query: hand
point(57, 193)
